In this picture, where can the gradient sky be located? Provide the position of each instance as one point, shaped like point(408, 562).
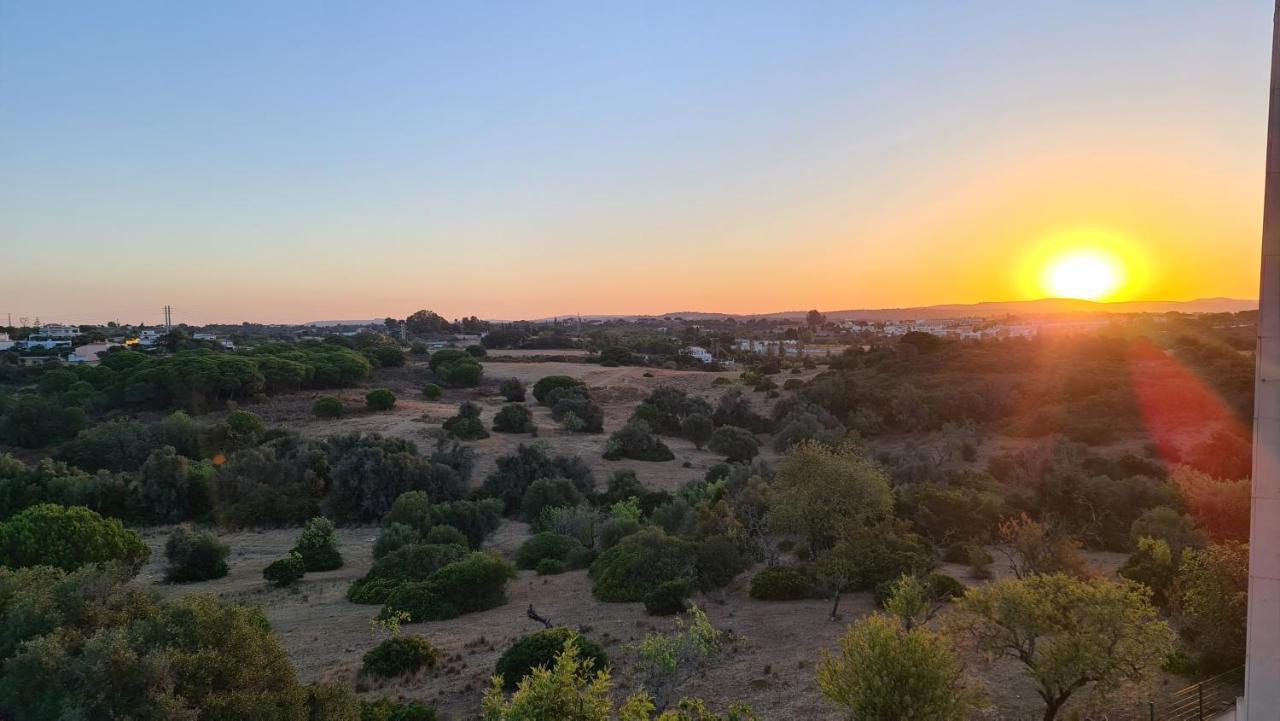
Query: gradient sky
point(293, 161)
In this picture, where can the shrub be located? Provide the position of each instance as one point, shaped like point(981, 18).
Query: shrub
point(718, 560)
point(399, 655)
point(545, 385)
point(735, 444)
point(328, 407)
point(318, 545)
point(638, 564)
point(573, 408)
point(394, 536)
point(463, 374)
point(466, 424)
point(285, 571)
point(475, 519)
point(792, 384)
point(67, 538)
point(613, 530)
point(476, 583)
point(697, 429)
point(414, 562)
point(782, 583)
point(380, 399)
point(667, 599)
point(387, 710)
point(548, 493)
point(516, 472)
point(547, 545)
point(412, 509)
point(551, 567)
point(635, 440)
point(540, 650)
point(194, 556)
point(432, 392)
point(512, 390)
point(513, 418)
point(445, 535)
point(477, 351)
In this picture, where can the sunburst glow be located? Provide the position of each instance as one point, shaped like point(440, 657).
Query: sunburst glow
point(1085, 274)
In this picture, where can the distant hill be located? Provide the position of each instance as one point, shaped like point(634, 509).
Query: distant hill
point(1044, 306)
point(328, 323)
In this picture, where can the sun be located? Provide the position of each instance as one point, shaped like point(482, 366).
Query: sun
point(1087, 274)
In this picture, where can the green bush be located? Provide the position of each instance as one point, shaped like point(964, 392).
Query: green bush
point(513, 418)
point(512, 390)
point(718, 560)
point(667, 599)
point(638, 564)
point(445, 535)
point(546, 384)
point(394, 536)
point(735, 444)
point(548, 493)
point(68, 537)
point(697, 429)
point(476, 583)
point(194, 556)
point(477, 351)
point(635, 440)
point(466, 425)
point(411, 508)
point(551, 567)
point(548, 546)
point(387, 710)
point(782, 583)
point(432, 392)
point(380, 399)
point(540, 649)
point(414, 562)
point(285, 571)
point(318, 545)
point(328, 407)
point(517, 471)
point(476, 519)
point(399, 655)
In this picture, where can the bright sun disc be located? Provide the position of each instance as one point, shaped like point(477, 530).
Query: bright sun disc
point(1084, 274)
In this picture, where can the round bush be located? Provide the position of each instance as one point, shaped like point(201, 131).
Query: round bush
point(285, 571)
point(68, 537)
point(328, 407)
point(782, 583)
point(432, 392)
point(380, 399)
point(547, 545)
point(318, 545)
point(667, 599)
point(638, 564)
point(548, 493)
point(394, 536)
point(413, 509)
point(399, 655)
point(194, 556)
point(477, 351)
point(540, 649)
point(735, 444)
point(512, 390)
point(551, 567)
point(513, 418)
point(384, 709)
point(445, 535)
point(476, 583)
point(614, 530)
point(545, 385)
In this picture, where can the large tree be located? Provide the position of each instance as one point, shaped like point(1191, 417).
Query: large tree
point(426, 322)
point(1069, 634)
point(827, 494)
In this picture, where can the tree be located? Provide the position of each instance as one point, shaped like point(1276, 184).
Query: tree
point(1069, 634)
point(697, 429)
point(546, 384)
point(512, 390)
point(425, 322)
point(664, 661)
point(1152, 565)
point(635, 440)
point(1214, 593)
point(513, 418)
point(1033, 549)
point(328, 407)
point(735, 444)
point(814, 319)
point(67, 538)
point(825, 494)
point(541, 650)
point(318, 545)
point(888, 672)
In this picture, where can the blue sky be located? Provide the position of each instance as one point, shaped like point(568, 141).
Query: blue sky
point(289, 161)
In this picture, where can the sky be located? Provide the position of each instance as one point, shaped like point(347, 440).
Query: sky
point(296, 161)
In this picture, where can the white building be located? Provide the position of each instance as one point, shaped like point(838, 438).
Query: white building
point(699, 352)
point(88, 354)
point(59, 331)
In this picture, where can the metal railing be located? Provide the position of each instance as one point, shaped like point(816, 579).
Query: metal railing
point(1200, 701)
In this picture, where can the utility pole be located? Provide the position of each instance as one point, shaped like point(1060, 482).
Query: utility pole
point(1262, 659)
